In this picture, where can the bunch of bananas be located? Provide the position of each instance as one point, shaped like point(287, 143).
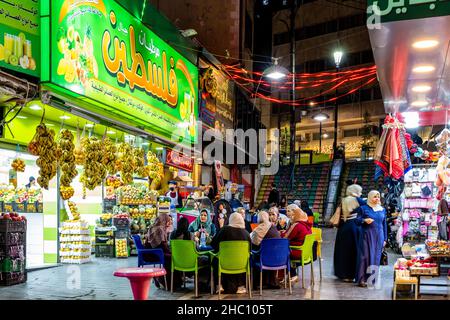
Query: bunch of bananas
point(33, 148)
point(66, 192)
point(94, 169)
point(48, 153)
point(80, 156)
point(139, 154)
point(109, 155)
point(67, 161)
point(18, 165)
point(154, 168)
point(126, 163)
point(74, 210)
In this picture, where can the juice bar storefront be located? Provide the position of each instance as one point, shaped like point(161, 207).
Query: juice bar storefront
point(105, 75)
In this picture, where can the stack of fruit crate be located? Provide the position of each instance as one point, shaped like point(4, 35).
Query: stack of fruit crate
point(12, 252)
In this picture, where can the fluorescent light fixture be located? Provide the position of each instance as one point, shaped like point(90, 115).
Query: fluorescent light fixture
point(411, 119)
point(276, 72)
point(423, 68)
point(419, 103)
point(64, 117)
point(21, 117)
point(145, 143)
point(276, 75)
point(35, 107)
point(425, 44)
point(89, 125)
point(421, 88)
point(49, 124)
point(159, 148)
point(183, 125)
point(110, 132)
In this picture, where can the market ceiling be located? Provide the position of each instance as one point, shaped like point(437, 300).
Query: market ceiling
point(413, 64)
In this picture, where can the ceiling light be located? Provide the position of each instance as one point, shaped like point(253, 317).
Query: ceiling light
point(110, 132)
point(145, 143)
point(411, 119)
point(419, 103)
point(325, 135)
point(159, 148)
point(49, 125)
point(64, 117)
point(183, 125)
point(424, 68)
point(421, 88)
point(425, 44)
point(21, 117)
point(89, 125)
point(35, 107)
point(321, 117)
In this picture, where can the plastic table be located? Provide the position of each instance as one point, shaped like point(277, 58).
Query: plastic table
point(140, 279)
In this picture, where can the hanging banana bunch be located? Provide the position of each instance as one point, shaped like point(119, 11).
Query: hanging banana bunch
point(47, 150)
point(126, 163)
point(109, 156)
point(139, 159)
point(67, 164)
point(94, 169)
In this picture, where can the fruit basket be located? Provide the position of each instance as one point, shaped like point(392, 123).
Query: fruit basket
point(7, 225)
point(439, 247)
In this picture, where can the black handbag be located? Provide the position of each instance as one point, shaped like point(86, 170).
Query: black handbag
point(384, 258)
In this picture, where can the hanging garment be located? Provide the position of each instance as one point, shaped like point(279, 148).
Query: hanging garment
point(443, 228)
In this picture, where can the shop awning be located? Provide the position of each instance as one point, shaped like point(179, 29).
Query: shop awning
point(413, 63)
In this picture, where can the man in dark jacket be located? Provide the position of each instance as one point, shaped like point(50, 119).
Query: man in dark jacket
point(274, 196)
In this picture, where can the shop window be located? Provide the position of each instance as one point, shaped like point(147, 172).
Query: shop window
point(350, 133)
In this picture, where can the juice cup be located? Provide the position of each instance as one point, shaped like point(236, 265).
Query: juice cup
point(27, 49)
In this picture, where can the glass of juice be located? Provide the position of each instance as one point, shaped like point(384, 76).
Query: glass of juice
point(27, 49)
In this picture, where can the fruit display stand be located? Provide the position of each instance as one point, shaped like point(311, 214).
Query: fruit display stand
point(12, 249)
point(121, 236)
point(75, 242)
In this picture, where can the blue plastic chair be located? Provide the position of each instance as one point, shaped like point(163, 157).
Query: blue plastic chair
point(141, 250)
point(274, 255)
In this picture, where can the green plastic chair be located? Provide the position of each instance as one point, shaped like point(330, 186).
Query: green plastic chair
point(185, 258)
point(307, 257)
point(234, 258)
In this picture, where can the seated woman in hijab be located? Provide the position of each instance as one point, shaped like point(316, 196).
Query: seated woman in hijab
point(299, 229)
point(157, 238)
point(264, 230)
point(235, 230)
point(181, 232)
point(279, 220)
point(204, 224)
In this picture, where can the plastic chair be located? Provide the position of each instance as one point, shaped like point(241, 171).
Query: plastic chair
point(141, 250)
point(234, 258)
point(185, 258)
point(307, 256)
point(274, 254)
point(318, 233)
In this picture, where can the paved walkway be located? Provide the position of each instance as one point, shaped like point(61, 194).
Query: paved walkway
point(95, 281)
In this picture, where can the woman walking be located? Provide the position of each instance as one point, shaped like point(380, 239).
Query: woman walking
point(345, 248)
point(372, 219)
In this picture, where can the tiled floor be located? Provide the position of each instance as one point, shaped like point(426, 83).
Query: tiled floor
point(95, 281)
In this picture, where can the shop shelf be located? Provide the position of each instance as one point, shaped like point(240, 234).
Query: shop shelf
point(122, 233)
point(12, 278)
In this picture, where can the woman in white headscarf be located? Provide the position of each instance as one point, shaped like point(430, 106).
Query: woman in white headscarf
point(235, 230)
point(372, 219)
point(345, 248)
point(264, 230)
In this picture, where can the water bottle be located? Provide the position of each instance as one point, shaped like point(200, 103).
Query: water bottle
point(202, 238)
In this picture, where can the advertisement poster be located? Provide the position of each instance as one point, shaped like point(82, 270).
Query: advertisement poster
point(179, 160)
point(19, 36)
point(102, 52)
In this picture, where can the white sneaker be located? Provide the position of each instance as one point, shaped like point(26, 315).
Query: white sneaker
point(219, 288)
point(241, 290)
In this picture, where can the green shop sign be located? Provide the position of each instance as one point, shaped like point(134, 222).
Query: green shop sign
point(379, 11)
point(19, 36)
point(102, 52)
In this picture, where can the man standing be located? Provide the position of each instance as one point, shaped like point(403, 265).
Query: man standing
point(274, 196)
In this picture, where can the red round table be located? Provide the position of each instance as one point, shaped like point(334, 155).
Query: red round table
point(140, 279)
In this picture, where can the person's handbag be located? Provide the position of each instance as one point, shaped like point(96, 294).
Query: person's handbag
point(384, 258)
point(336, 218)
